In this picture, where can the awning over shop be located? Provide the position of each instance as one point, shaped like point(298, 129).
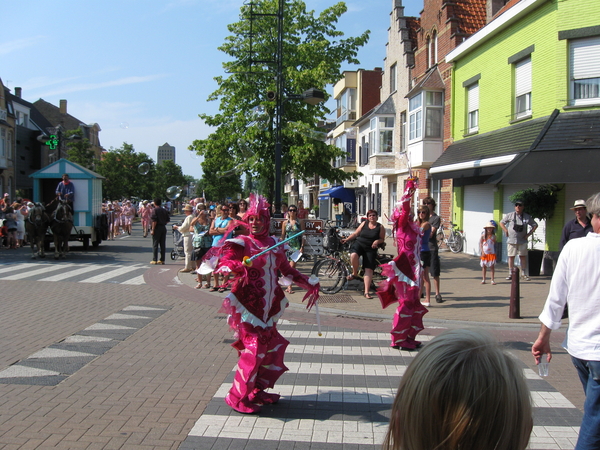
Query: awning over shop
point(484, 154)
point(560, 148)
point(344, 194)
point(568, 152)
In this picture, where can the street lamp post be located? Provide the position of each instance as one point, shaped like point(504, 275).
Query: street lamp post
point(312, 96)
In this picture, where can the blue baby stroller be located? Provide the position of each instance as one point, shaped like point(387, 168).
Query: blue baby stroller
point(177, 243)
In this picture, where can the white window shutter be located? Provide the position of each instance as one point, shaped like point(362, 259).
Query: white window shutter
point(585, 58)
point(473, 97)
point(523, 77)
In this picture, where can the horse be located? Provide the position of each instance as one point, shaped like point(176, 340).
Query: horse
point(61, 224)
point(36, 225)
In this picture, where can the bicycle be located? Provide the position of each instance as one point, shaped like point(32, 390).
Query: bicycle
point(451, 237)
point(335, 267)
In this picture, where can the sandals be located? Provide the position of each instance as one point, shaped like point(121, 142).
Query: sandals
point(198, 286)
point(214, 289)
point(222, 289)
point(368, 295)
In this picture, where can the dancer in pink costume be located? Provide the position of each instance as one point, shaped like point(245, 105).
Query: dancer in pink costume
point(255, 304)
point(404, 276)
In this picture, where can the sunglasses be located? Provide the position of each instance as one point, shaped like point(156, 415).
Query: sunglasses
point(423, 212)
point(292, 210)
point(518, 204)
point(225, 209)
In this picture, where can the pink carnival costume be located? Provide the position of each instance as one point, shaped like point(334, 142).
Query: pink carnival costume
point(254, 305)
point(404, 276)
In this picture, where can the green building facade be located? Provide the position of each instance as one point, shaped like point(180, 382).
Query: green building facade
point(526, 96)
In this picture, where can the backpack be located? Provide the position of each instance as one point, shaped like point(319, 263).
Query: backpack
point(331, 240)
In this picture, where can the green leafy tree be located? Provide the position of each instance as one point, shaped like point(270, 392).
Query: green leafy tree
point(540, 202)
point(79, 149)
point(313, 52)
point(167, 174)
point(220, 177)
point(124, 178)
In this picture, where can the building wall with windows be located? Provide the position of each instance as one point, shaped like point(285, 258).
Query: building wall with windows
point(526, 86)
point(7, 145)
point(523, 71)
point(390, 160)
point(165, 152)
point(444, 25)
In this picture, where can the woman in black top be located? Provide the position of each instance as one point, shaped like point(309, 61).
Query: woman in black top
point(369, 235)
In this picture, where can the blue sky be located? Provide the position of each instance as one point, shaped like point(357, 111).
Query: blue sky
point(143, 69)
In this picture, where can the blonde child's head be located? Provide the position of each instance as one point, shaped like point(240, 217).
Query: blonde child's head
point(462, 391)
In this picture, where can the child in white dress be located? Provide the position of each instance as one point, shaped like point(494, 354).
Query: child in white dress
point(487, 246)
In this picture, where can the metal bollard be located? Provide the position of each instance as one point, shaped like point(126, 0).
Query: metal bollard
point(514, 311)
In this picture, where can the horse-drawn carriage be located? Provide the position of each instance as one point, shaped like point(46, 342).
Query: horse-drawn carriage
point(89, 224)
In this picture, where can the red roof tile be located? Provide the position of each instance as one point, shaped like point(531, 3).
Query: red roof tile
point(471, 15)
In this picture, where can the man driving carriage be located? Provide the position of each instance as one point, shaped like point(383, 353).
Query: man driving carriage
point(66, 191)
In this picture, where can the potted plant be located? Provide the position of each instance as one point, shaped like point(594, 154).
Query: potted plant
point(539, 204)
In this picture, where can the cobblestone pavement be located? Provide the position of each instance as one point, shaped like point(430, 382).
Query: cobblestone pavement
point(146, 365)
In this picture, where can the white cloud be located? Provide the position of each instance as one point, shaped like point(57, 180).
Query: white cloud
point(156, 132)
point(101, 85)
point(19, 44)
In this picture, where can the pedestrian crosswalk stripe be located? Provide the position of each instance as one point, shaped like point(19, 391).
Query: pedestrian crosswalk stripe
point(18, 371)
point(58, 353)
point(339, 431)
point(73, 272)
point(81, 339)
point(121, 270)
point(64, 356)
point(106, 326)
point(118, 316)
point(300, 430)
point(142, 308)
point(31, 273)
point(360, 384)
point(137, 280)
point(12, 267)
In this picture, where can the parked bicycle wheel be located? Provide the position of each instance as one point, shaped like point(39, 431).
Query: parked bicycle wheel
point(377, 275)
point(440, 237)
point(455, 242)
point(332, 275)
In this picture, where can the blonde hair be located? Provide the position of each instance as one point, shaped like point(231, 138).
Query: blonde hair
point(462, 391)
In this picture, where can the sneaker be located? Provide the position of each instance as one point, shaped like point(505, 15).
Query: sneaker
point(153, 262)
point(525, 278)
point(426, 304)
point(509, 277)
point(160, 262)
point(439, 299)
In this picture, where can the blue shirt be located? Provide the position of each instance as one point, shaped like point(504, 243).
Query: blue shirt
point(66, 189)
point(574, 230)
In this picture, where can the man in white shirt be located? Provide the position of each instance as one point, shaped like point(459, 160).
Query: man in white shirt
point(575, 281)
point(186, 231)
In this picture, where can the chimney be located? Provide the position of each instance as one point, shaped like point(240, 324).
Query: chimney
point(63, 106)
point(18, 92)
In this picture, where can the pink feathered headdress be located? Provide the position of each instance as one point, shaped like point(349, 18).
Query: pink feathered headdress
point(258, 206)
